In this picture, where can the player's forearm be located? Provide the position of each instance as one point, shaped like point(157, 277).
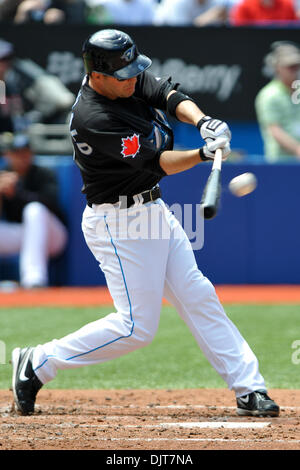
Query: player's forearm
point(287, 142)
point(176, 161)
point(187, 111)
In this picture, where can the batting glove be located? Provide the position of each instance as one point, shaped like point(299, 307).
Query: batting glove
point(208, 151)
point(212, 128)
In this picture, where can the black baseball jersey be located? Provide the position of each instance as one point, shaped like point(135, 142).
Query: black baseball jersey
point(118, 143)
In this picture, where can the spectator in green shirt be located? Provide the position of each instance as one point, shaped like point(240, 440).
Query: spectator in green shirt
point(278, 105)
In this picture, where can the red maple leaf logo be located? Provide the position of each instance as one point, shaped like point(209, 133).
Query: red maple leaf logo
point(130, 146)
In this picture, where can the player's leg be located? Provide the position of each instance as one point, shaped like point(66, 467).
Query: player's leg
point(44, 235)
point(135, 271)
point(196, 301)
point(195, 298)
point(10, 238)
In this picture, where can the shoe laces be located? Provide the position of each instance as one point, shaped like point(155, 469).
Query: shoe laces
point(262, 395)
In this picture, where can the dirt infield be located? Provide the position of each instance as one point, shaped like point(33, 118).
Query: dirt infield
point(147, 420)
point(90, 296)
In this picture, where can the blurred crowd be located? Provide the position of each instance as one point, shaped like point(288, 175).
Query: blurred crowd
point(41, 102)
point(35, 114)
point(151, 12)
point(34, 100)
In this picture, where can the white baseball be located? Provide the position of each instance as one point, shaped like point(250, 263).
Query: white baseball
point(243, 184)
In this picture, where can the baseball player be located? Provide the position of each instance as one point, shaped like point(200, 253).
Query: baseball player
point(123, 148)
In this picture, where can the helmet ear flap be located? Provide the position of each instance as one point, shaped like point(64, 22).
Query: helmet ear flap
point(88, 63)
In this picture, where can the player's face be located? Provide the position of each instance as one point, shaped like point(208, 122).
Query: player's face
point(20, 160)
point(113, 88)
point(123, 88)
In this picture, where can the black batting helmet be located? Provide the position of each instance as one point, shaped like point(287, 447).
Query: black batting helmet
point(112, 52)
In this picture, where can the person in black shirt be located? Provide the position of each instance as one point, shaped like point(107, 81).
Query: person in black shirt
point(123, 146)
point(32, 223)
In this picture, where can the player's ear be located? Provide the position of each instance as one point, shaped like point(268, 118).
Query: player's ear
point(96, 75)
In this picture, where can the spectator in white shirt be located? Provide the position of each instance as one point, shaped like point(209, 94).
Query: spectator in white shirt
point(191, 12)
point(125, 12)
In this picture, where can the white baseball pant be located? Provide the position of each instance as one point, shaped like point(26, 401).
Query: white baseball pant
point(40, 235)
point(139, 272)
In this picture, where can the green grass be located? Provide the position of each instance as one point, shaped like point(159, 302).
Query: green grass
point(173, 360)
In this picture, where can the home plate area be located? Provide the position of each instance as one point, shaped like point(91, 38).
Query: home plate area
point(147, 420)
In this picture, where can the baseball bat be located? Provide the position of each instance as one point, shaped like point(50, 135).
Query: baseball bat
point(212, 191)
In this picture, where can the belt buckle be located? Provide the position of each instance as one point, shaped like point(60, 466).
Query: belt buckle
point(151, 197)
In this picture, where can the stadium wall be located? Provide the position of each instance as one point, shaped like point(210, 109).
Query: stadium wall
point(252, 240)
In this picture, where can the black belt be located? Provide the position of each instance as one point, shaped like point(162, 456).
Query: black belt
point(142, 198)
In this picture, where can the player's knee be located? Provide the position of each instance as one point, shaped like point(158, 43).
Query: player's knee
point(143, 337)
point(207, 289)
point(196, 288)
point(202, 291)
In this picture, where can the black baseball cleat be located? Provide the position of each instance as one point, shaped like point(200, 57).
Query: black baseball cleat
point(25, 383)
point(257, 403)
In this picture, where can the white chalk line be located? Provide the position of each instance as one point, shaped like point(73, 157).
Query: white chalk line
point(217, 425)
point(191, 425)
point(220, 424)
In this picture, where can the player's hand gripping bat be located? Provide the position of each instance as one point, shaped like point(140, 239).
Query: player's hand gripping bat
point(212, 191)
